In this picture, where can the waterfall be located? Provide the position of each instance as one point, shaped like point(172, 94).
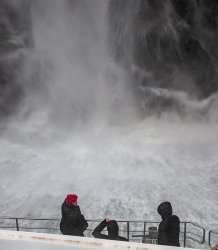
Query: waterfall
point(115, 100)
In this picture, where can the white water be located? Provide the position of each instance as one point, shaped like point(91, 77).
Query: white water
point(67, 137)
point(122, 174)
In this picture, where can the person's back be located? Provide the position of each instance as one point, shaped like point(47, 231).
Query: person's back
point(72, 221)
point(112, 228)
point(169, 228)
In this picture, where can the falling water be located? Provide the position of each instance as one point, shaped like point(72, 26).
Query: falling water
point(91, 116)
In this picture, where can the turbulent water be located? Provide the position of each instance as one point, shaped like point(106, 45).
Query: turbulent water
point(113, 100)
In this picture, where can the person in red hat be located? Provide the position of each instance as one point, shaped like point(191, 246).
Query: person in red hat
point(72, 221)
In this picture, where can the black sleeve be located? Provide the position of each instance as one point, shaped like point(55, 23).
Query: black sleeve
point(97, 231)
point(162, 232)
point(164, 225)
point(83, 224)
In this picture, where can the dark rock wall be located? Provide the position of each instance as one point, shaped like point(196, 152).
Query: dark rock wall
point(174, 42)
point(15, 38)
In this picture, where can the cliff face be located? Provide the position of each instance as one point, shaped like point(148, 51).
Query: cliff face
point(15, 30)
point(170, 44)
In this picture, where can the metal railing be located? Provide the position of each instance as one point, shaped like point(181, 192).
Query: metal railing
point(143, 231)
point(189, 231)
point(212, 238)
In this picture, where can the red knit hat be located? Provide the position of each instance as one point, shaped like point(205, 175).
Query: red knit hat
point(70, 199)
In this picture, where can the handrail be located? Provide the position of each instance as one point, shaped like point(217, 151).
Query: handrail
point(143, 232)
point(211, 232)
point(203, 231)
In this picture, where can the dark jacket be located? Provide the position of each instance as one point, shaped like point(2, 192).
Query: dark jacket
point(72, 221)
point(112, 228)
point(169, 228)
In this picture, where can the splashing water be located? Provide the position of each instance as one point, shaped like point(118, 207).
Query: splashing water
point(79, 129)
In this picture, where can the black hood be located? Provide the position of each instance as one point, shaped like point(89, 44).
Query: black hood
point(112, 228)
point(165, 209)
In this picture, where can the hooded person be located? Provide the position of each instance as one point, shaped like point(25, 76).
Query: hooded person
point(112, 228)
point(169, 228)
point(72, 221)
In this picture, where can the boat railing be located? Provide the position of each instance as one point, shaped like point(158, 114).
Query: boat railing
point(212, 238)
point(192, 234)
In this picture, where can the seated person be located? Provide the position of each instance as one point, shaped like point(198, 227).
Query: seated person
point(112, 228)
point(72, 221)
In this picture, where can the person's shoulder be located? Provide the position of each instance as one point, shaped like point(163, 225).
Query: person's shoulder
point(175, 218)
